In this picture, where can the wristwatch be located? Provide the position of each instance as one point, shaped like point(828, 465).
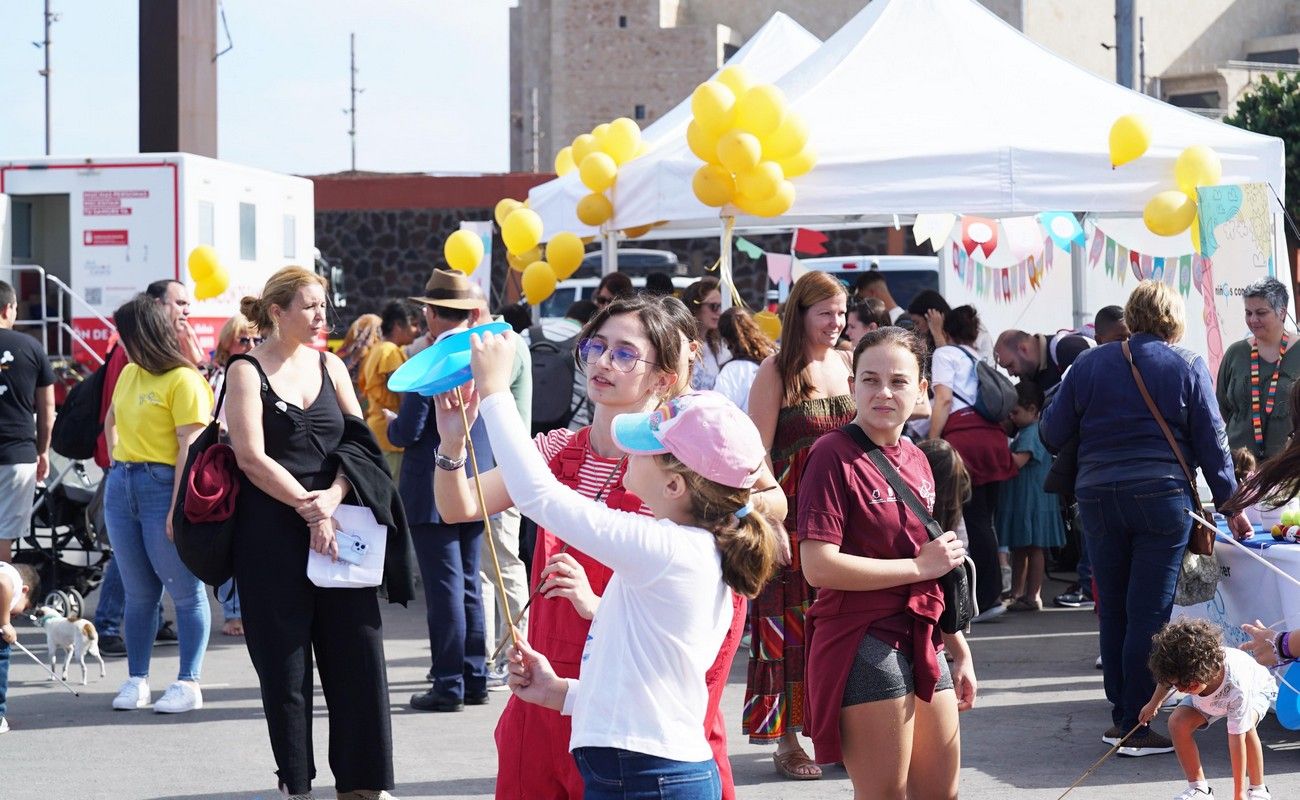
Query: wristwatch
point(449, 464)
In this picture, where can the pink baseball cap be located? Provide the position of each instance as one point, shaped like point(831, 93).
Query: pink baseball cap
point(704, 430)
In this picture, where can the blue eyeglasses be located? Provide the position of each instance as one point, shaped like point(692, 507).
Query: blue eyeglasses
point(623, 358)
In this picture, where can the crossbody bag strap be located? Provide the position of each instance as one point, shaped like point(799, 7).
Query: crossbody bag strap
point(1160, 420)
point(901, 490)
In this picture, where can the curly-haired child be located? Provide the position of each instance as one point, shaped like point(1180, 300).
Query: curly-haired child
point(1220, 683)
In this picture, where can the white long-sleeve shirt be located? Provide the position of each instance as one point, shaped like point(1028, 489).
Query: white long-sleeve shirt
point(661, 620)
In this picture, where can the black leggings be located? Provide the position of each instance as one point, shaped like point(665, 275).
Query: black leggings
point(286, 617)
point(978, 514)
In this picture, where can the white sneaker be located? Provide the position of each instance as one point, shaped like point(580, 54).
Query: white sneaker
point(4, 725)
point(1192, 793)
point(133, 694)
point(1259, 794)
point(496, 680)
point(180, 697)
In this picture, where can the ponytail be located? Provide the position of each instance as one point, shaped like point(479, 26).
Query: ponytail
point(256, 313)
point(745, 539)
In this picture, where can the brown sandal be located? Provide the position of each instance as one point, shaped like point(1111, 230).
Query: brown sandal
point(789, 764)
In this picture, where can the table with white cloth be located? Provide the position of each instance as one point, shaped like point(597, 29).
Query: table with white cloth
point(1250, 591)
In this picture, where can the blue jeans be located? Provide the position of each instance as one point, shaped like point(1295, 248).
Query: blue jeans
point(449, 561)
point(112, 602)
point(4, 675)
point(613, 774)
point(1136, 532)
point(136, 504)
point(228, 597)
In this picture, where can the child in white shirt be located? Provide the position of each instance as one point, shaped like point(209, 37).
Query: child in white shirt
point(638, 711)
point(1220, 683)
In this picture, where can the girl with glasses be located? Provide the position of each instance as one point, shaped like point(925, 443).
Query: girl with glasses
point(704, 299)
point(635, 353)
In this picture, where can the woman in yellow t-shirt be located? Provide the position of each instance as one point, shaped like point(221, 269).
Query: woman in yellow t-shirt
point(160, 405)
point(398, 328)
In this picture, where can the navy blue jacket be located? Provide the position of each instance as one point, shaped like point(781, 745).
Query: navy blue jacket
point(416, 430)
point(1118, 438)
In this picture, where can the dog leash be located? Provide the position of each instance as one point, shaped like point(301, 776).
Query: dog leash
point(33, 657)
point(1110, 752)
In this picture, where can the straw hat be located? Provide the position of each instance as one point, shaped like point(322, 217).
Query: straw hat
point(448, 289)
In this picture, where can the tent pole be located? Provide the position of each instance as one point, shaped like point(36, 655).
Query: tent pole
point(1078, 284)
point(724, 264)
point(609, 251)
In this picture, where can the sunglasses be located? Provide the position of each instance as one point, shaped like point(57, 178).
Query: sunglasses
point(251, 341)
point(622, 357)
point(602, 299)
point(714, 307)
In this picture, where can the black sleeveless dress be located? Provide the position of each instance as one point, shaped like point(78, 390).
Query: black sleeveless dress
point(288, 619)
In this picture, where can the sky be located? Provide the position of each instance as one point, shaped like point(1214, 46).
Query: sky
point(435, 75)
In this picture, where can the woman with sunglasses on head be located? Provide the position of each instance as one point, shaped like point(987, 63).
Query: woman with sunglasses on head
point(612, 287)
point(704, 299)
point(1256, 373)
point(635, 352)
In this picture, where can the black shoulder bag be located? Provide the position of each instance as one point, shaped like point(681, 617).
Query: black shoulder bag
point(959, 584)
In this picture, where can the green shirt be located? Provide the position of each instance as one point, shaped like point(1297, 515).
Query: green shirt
point(1233, 392)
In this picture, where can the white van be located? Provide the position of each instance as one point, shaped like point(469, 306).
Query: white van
point(906, 276)
point(567, 292)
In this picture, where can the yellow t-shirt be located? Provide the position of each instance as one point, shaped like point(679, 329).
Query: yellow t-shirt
point(149, 408)
point(383, 359)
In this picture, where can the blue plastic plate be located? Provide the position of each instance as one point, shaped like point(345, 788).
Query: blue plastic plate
point(441, 367)
point(1288, 702)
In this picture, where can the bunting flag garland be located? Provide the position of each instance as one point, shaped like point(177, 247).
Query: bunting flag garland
point(1003, 284)
point(979, 233)
point(778, 266)
point(1181, 272)
point(748, 248)
point(1063, 227)
point(1022, 236)
point(809, 242)
point(933, 229)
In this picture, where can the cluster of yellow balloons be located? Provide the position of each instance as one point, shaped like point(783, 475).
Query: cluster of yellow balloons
point(597, 156)
point(210, 278)
point(1170, 212)
point(521, 230)
point(750, 143)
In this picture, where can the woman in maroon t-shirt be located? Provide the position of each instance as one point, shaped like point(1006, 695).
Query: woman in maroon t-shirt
point(880, 692)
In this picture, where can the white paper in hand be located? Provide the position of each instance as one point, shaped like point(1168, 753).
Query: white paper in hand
point(373, 538)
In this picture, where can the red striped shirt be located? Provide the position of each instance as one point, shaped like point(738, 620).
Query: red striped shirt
point(593, 473)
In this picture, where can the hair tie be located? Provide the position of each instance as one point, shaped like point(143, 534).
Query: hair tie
point(744, 510)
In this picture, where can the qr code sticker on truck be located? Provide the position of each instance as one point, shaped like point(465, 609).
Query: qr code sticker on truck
point(95, 296)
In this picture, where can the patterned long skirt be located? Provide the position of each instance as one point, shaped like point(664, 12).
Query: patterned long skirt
point(775, 690)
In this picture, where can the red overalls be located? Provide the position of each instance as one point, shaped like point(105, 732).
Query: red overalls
point(533, 761)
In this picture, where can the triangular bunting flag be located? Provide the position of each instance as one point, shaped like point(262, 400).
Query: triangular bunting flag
point(933, 229)
point(809, 242)
point(778, 267)
point(748, 248)
point(979, 233)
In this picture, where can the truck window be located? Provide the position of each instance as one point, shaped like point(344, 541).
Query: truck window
point(207, 228)
point(247, 232)
point(290, 236)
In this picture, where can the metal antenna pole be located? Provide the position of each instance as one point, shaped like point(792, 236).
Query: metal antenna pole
point(50, 19)
point(352, 109)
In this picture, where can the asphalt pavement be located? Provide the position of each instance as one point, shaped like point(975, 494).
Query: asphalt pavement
point(1036, 728)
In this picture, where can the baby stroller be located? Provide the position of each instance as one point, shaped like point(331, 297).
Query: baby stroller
point(67, 545)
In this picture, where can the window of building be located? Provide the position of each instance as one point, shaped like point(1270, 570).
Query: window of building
point(22, 229)
point(1291, 56)
point(729, 50)
point(622, 20)
point(638, 112)
point(290, 236)
point(1194, 100)
point(207, 227)
point(247, 232)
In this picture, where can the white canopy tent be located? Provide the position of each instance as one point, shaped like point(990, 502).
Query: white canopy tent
point(773, 50)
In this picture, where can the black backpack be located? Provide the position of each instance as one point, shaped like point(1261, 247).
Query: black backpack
point(553, 373)
point(77, 426)
point(995, 396)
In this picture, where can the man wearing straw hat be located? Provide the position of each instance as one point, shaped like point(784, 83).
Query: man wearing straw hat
point(448, 553)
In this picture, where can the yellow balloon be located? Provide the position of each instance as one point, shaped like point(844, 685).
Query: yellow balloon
point(713, 185)
point(735, 79)
point(642, 148)
point(539, 282)
point(800, 163)
point(769, 324)
point(203, 262)
point(1196, 166)
point(463, 251)
point(584, 144)
point(519, 262)
point(505, 207)
point(564, 253)
point(624, 140)
point(702, 143)
point(598, 172)
point(601, 132)
point(788, 139)
point(638, 231)
point(761, 110)
point(564, 161)
point(522, 230)
point(761, 182)
point(714, 106)
point(595, 209)
point(214, 285)
point(776, 205)
point(1195, 230)
point(1130, 136)
point(1169, 213)
point(739, 151)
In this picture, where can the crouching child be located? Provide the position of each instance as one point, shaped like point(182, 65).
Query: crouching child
point(18, 584)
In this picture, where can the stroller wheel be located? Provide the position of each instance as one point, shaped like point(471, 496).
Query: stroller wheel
point(59, 601)
point(76, 604)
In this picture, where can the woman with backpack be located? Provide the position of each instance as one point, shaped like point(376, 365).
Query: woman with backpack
point(982, 445)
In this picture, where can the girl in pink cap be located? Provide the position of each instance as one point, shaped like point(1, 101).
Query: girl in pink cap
point(638, 711)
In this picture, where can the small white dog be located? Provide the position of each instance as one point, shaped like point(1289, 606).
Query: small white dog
point(77, 637)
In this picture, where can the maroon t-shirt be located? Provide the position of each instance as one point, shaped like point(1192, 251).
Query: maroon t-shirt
point(850, 504)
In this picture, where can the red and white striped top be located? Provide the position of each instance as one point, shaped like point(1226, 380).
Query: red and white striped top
point(594, 471)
